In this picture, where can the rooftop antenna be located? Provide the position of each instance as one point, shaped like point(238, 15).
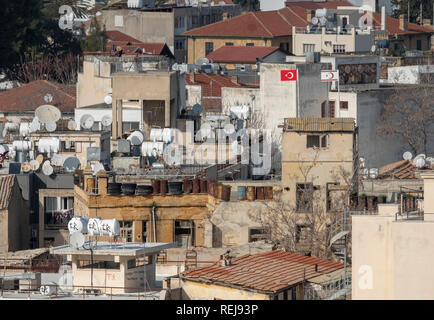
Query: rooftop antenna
point(87, 121)
point(407, 155)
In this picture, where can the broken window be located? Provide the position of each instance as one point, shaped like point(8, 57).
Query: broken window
point(317, 141)
point(184, 235)
point(258, 234)
point(126, 230)
point(304, 197)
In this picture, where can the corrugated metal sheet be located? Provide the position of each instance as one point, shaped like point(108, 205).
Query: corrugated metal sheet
point(6, 184)
point(319, 124)
point(268, 272)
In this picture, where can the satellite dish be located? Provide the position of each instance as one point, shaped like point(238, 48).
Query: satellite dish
point(197, 109)
point(202, 61)
point(25, 167)
point(421, 156)
point(47, 169)
point(419, 162)
point(48, 98)
point(72, 125)
point(47, 113)
point(373, 173)
point(365, 173)
point(429, 160)
point(35, 125)
point(34, 165)
point(57, 160)
point(373, 48)
point(407, 155)
point(50, 126)
point(76, 240)
point(87, 121)
point(108, 99)
point(323, 20)
point(315, 20)
point(40, 158)
point(71, 164)
point(175, 67)
point(106, 121)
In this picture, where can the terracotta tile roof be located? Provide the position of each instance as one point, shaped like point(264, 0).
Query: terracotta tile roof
point(267, 272)
point(267, 24)
point(30, 96)
point(241, 54)
point(6, 185)
point(403, 169)
point(392, 26)
point(312, 5)
point(120, 36)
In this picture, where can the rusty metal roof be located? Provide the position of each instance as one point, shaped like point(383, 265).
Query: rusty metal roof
point(266, 272)
point(319, 124)
point(6, 185)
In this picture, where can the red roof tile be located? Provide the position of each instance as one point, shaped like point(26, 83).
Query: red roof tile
point(312, 5)
point(241, 54)
point(120, 36)
point(270, 271)
point(256, 24)
point(392, 26)
point(30, 96)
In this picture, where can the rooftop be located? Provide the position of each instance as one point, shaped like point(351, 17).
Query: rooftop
point(312, 5)
point(319, 125)
point(241, 54)
point(266, 272)
point(266, 24)
point(6, 185)
point(118, 249)
point(30, 96)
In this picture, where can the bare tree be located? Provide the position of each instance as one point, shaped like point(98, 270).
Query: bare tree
point(409, 115)
point(51, 67)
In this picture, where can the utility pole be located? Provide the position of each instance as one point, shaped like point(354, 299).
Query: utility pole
point(421, 14)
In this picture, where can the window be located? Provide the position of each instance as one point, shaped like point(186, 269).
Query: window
point(87, 264)
point(344, 22)
point(304, 197)
point(302, 233)
point(130, 126)
point(250, 44)
point(68, 146)
point(308, 48)
point(194, 19)
point(58, 210)
point(119, 21)
point(258, 234)
point(418, 44)
point(343, 105)
point(179, 45)
point(284, 46)
point(126, 228)
point(331, 112)
point(229, 44)
point(338, 48)
point(209, 47)
point(184, 233)
point(317, 141)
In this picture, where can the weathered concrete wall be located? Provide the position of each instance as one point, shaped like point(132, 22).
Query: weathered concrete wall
point(90, 88)
point(200, 291)
point(144, 26)
point(389, 187)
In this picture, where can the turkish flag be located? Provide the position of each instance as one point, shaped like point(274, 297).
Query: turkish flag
point(288, 75)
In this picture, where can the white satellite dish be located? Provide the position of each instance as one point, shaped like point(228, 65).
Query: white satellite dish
point(25, 167)
point(420, 162)
point(108, 99)
point(373, 173)
point(365, 173)
point(407, 155)
point(47, 113)
point(35, 125)
point(76, 240)
point(87, 121)
point(71, 164)
point(50, 126)
point(373, 48)
point(47, 169)
point(106, 120)
point(315, 20)
point(323, 20)
point(72, 125)
point(202, 61)
point(48, 98)
point(229, 128)
point(57, 160)
point(34, 165)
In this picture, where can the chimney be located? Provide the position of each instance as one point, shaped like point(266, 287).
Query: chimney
point(102, 183)
point(234, 79)
point(403, 22)
point(310, 15)
point(225, 16)
point(383, 18)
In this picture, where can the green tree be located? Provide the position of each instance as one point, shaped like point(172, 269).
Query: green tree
point(248, 5)
point(401, 7)
point(20, 29)
point(96, 40)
